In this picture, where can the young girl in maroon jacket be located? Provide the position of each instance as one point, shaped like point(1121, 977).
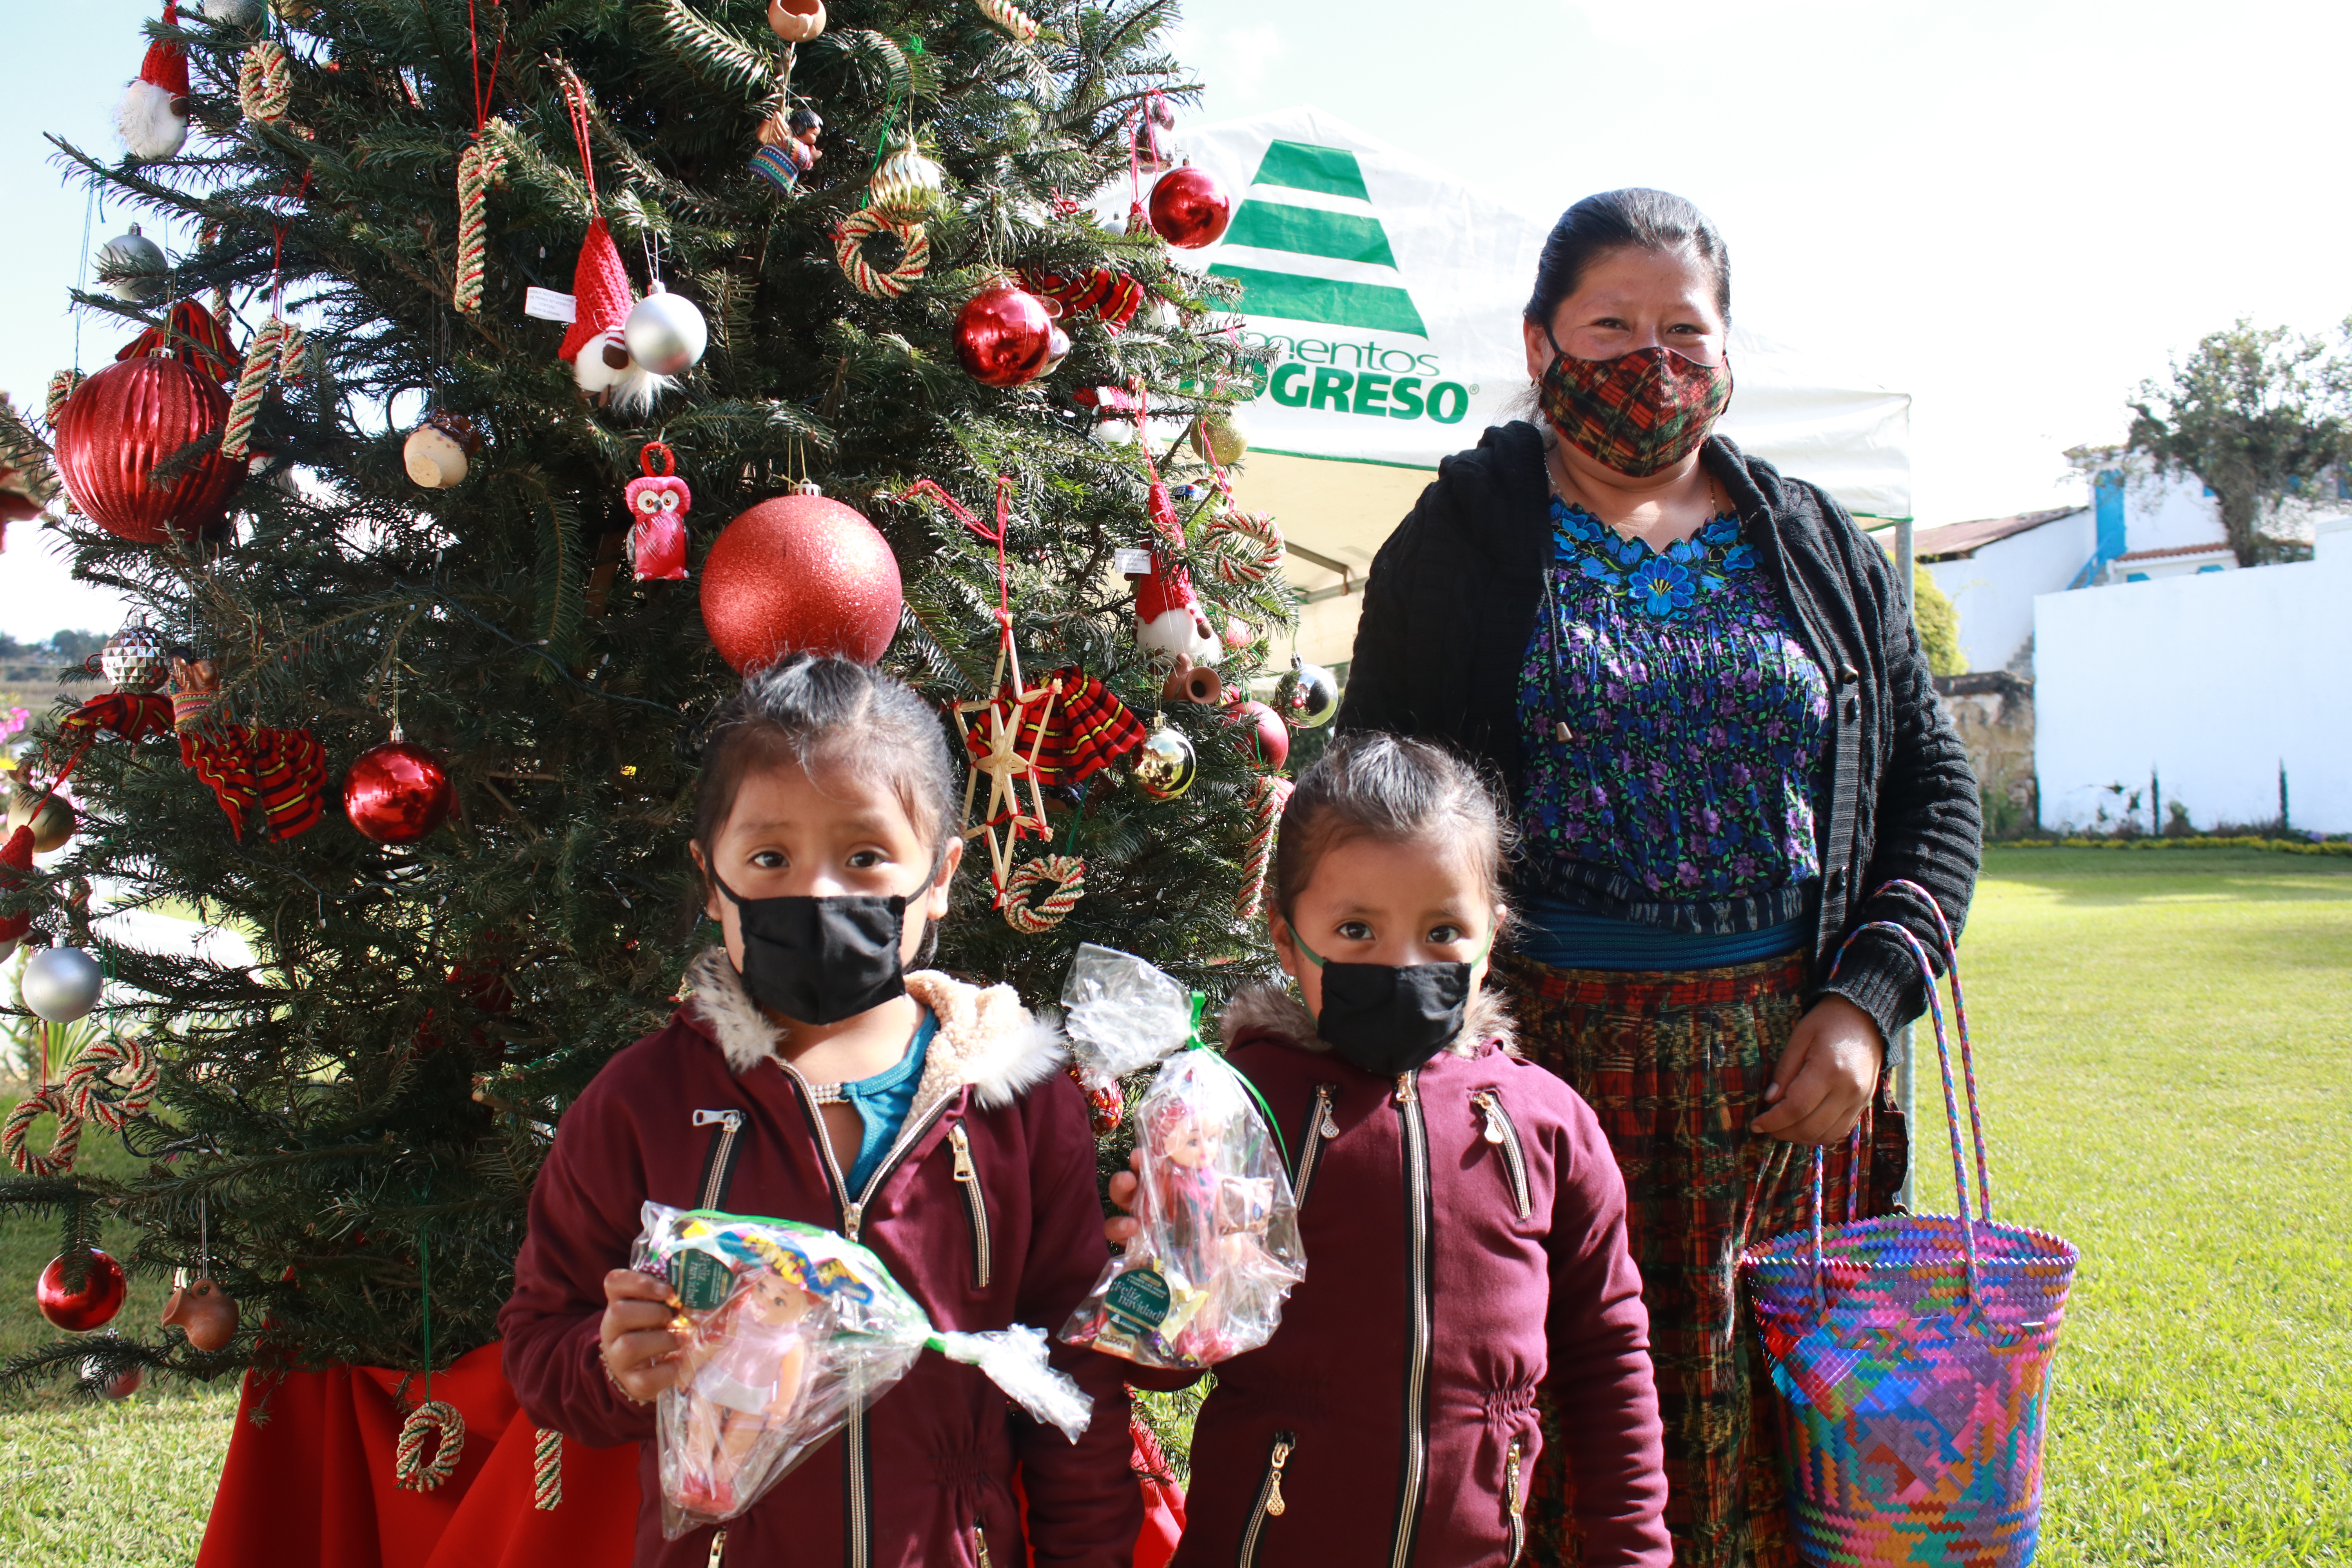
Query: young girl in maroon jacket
point(809, 1077)
point(1461, 1217)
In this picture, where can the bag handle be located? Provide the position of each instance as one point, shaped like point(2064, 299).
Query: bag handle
point(1951, 1096)
point(1774, 1168)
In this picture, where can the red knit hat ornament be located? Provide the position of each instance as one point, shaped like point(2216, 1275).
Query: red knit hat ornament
point(153, 115)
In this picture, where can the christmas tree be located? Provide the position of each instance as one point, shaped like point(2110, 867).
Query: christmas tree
point(468, 202)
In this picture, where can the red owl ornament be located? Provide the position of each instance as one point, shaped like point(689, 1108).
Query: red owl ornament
point(657, 506)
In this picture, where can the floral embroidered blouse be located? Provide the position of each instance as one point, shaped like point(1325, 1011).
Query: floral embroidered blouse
point(1674, 731)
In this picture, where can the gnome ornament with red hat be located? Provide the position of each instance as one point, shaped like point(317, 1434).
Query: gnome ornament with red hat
point(1168, 617)
point(153, 115)
point(597, 346)
point(598, 308)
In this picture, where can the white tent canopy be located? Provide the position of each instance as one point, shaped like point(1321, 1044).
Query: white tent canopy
point(1392, 292)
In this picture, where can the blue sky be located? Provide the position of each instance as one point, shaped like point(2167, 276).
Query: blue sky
point(2014, 210)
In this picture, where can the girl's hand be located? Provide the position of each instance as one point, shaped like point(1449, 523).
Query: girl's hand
point(640, 1355)
point(1825, 1077)
point(1123, 1227)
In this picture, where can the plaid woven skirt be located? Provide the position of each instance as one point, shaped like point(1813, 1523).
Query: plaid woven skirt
point(1676, 1066)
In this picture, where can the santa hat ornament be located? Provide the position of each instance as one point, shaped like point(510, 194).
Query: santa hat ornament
point(1169, 616)
point(153, 115)
point(598, 310)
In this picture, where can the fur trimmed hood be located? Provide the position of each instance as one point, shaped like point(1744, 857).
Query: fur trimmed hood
point(1275, 1010)
point(985, 1039)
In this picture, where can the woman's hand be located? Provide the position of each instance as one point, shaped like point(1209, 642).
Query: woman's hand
point(1825, 1077)
point(640, 1355)
point(1123, 1227)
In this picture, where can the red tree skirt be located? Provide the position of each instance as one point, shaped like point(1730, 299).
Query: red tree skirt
point(313, 1488)
point(313, 1485)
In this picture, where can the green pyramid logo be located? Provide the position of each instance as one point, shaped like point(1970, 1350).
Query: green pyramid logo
point(1344, 230)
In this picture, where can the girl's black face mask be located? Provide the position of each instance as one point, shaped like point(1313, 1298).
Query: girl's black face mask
point(821, 960)
point(1390, 1019)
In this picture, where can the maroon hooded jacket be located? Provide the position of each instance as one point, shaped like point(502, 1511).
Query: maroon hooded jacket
point(984, 1210)
point(1465, 1233)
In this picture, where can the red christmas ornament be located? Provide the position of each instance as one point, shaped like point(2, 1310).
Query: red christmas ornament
point(1191, 207)
point(120, 424)
point(1008, 335)
point(1270, 746)
point(78, 1311)
point(800, 571)
point(657, 505)
point(396, 794)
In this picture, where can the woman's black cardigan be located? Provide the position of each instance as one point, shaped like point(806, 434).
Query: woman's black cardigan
point(1452, 603)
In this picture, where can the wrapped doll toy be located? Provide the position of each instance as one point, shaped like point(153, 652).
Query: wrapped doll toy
point(1219, 1250)
point(783, 1329)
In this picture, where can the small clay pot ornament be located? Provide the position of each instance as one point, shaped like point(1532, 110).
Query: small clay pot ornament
point(51, 820)
point(796, 21)
point(1190, 682)
point(205, 1313)
point(440, 451)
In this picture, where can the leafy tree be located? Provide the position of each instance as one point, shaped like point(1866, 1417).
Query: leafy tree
point(2258, 414)
point(372, 1097)
point(1939, 622)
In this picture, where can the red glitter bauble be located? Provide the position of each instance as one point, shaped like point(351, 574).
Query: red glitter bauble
point(78, 1311)
point(1007, 335)
point(1269, 745)
point(1191, 207)
point(800, 571)
point(398, 792)
point(124, 423)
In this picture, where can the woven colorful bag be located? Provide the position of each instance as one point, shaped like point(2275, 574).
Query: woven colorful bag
point(1912, 1356)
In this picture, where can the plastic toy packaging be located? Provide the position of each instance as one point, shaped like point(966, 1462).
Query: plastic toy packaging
point(1219, 1250)
point(785, 1331)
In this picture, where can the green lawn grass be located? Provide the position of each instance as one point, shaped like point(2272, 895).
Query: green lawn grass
point(2167, 1052)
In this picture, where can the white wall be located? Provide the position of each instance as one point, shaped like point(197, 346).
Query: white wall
point(2164, 511)
point(2213, 680)
point(1993, 590)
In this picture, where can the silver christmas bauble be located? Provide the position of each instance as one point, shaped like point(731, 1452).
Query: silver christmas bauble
point(232, 12)
point(908, 186)
point(1165, 765)
point(133, 659)
point(131, 268)
point(666, 333)
point(61, 983)
point(1312, 693)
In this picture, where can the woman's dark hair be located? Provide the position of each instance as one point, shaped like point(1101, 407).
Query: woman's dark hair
point(805, 119)
point(1635, 218)
point(1391, 788)
point(816, 711)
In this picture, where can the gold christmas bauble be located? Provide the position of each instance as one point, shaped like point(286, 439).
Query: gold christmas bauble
point(908, 186)
point(1165, 765)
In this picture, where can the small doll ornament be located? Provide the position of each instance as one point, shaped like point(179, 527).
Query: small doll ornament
point(788, 147)
point(1219, 1251)
point(438, 452)
point(657, 506)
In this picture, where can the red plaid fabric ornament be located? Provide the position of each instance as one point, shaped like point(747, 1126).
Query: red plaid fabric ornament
point(1639, 413)
point(1086, 731)
point(1113, 297)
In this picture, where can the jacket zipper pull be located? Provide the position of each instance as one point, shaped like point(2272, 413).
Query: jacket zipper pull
point(729, 1120)
point(1512, 1495)
point(1273, 1503)
point(1406, 1092)
point(1484, 1100)
point(1560, 731)
point(980, 1546)
point(718, 1548)
point(962, 1145)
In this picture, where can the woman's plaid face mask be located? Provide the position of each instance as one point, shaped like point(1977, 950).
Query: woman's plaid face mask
point(1639, 413)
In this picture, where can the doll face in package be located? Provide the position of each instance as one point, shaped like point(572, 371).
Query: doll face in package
point(782, 1334)
point(1219, 1251)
